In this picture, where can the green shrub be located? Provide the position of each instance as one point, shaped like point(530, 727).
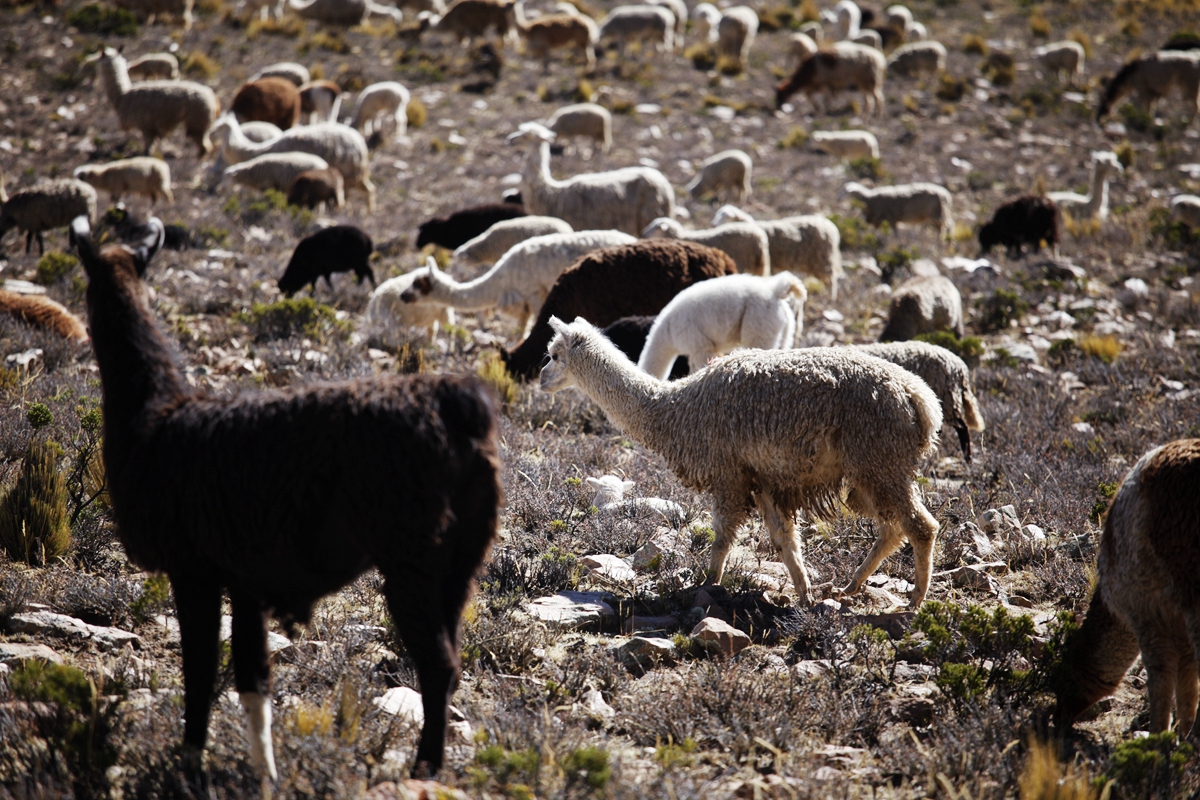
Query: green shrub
point(1151, 767)
point(199, 65)
point(968, 348)
point(999, 68)
point(587, 765)
point(865, 168)
point(950, 89)
point(33, 515)
point(416, 113)
point(292, 317)
point(795, 139)
point(855, 233)
point(896, 258)
point(38, 415)
point(104, 20)
point(1000, 310)
point(702, 56)
point(55, 265)
point(155, 597)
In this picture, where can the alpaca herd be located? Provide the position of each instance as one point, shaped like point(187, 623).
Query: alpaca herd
point(690, 339)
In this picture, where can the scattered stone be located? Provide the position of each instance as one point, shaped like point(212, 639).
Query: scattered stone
point(643, 652)
point(647, 556)
point(583, 610)
point(650, 624)
point(826, 773)
point(1079, 546)
point(49, 623)
point(1019, 601)
point(276, 642)
point(975, 576)
point(811, 670)
point(402, 702)
point(412, 789)
point(829, 606)
point(15, 655)
point(721, 637)
point(1033, 533)
point(907, 672)
point(462, 731)
point(841, 756)
point(609, 566)
point(594, 706)
point(916, 711)
point(997, 520)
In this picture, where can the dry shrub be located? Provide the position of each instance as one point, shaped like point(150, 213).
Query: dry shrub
point(999, 68)
point(288, 27)
point(701, 56)
point(1038, 24)
point(795, 139)
point(199, 65)
point(972, 43)
point(1105, 348)
point(1044, 777)
point(416, 113)
point(33, 515)
point(1085, 41)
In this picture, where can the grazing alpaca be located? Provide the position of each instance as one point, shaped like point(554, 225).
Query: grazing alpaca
point(713, 317)
point(1152, 77)
point(38, 311)
point(1147, 599)
point(1028, 220)
point(282, 497)
point(783, 429)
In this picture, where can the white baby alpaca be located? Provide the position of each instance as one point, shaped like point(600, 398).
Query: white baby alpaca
point(719, 315)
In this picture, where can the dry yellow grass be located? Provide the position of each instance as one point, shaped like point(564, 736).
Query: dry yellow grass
point(1105, 348)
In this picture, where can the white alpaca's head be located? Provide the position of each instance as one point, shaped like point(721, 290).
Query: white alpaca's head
point(730, 213)
point(573, 348)
point(424, 283)
point(530, 132)
point(663, 228)
point(609, 489)
point(1107, 160)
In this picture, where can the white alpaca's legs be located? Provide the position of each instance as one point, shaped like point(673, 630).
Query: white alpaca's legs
point(258, 719)
point(728, 516)
point(782, 527)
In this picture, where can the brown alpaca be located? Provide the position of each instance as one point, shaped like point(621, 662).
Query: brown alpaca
point(556, 32)
point(282, 497)
point(274, 100)
point(42, 312)
point(1148, 597)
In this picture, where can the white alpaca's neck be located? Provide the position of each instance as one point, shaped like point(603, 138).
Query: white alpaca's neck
point(1098, 195)
point(537, 169)
point(473, 295)
point(238, 148)
point(628, 396)
point(115, 77)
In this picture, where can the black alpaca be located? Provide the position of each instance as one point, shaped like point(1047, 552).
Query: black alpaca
point(1028, 220)
point(338, 248)
point(281, 497)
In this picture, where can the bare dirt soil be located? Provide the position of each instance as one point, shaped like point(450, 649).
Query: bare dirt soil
point(856, 701)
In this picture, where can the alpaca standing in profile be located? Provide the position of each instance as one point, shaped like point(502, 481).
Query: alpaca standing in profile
point(282, 497)
point(1147, 598)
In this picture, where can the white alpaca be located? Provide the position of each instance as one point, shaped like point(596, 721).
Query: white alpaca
point(518, 283)
point(610, 499)
point(780, 429)
point(626, 199)
point(716, 316)
point(381, 106)
point(1094, 204)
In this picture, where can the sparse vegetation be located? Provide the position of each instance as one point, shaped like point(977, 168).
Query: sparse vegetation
point(33, 514)
point(795, 139)
point(103, 20)
point(1000, 310)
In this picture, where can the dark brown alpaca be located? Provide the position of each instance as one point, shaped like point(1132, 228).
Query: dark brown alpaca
point(282, 497)
point(1147, 599)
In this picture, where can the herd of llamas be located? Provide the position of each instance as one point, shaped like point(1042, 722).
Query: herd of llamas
point(689, 340)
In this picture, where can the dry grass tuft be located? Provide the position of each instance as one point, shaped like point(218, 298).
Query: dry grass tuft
point(1038, 24)
point(973, 43)
point(1105, 348)
point(1044, 777)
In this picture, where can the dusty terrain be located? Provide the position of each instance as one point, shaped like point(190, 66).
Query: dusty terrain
point(830, 702)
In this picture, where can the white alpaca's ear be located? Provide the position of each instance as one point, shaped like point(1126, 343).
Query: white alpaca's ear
point(431, 264)
point(558, 326)
point(595, 483)
point(579, 320)
point(627, 485)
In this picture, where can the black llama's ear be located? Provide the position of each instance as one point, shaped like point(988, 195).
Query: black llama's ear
point(150, 241)
point(80, 237)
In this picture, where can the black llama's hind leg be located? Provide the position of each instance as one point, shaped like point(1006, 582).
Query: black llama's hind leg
point(416, 606)
point(964, 440)
point(252, 676)
point(198, 604)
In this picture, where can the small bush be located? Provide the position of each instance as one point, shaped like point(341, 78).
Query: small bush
point(727, 65)
point(1172, 234)
point(1105, 348)
point(971, 43)
point(1125, 154)
point(1044, 777)
point(1136, 119)
point(199, 65)
point(416, 113)
point(54, 266)
point(777, 17)
point(1038, 24)
point(1151, 767)
point(495, 374)
point(866, 168)
point(587, 765)
point(896, 258)
point(291, 317)
point(33, 515)
point(999, 311)
point(855, 234)
point(1084, 41)
point(155, 598)
point(808, 11)
point(38, 415)
point(999, 68)
point(950, 88)
point(795, 139)
point(288, 27)
point(968, 348)
point(103, 20)
point(702, 56)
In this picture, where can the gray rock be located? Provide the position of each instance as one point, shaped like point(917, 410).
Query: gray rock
point(582, 610)
point(998, 520)
point(649, 554)
point(719, 636)
point(651, 623)
point(612, 567)
point(592, 703)
point(811, 670)
point(643, 652)
point(14, 654)
point(402, 702)
point(913, 710)
point(48, 623)
point(276, 642)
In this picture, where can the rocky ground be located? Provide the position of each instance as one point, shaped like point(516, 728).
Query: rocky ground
point(593, 665)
